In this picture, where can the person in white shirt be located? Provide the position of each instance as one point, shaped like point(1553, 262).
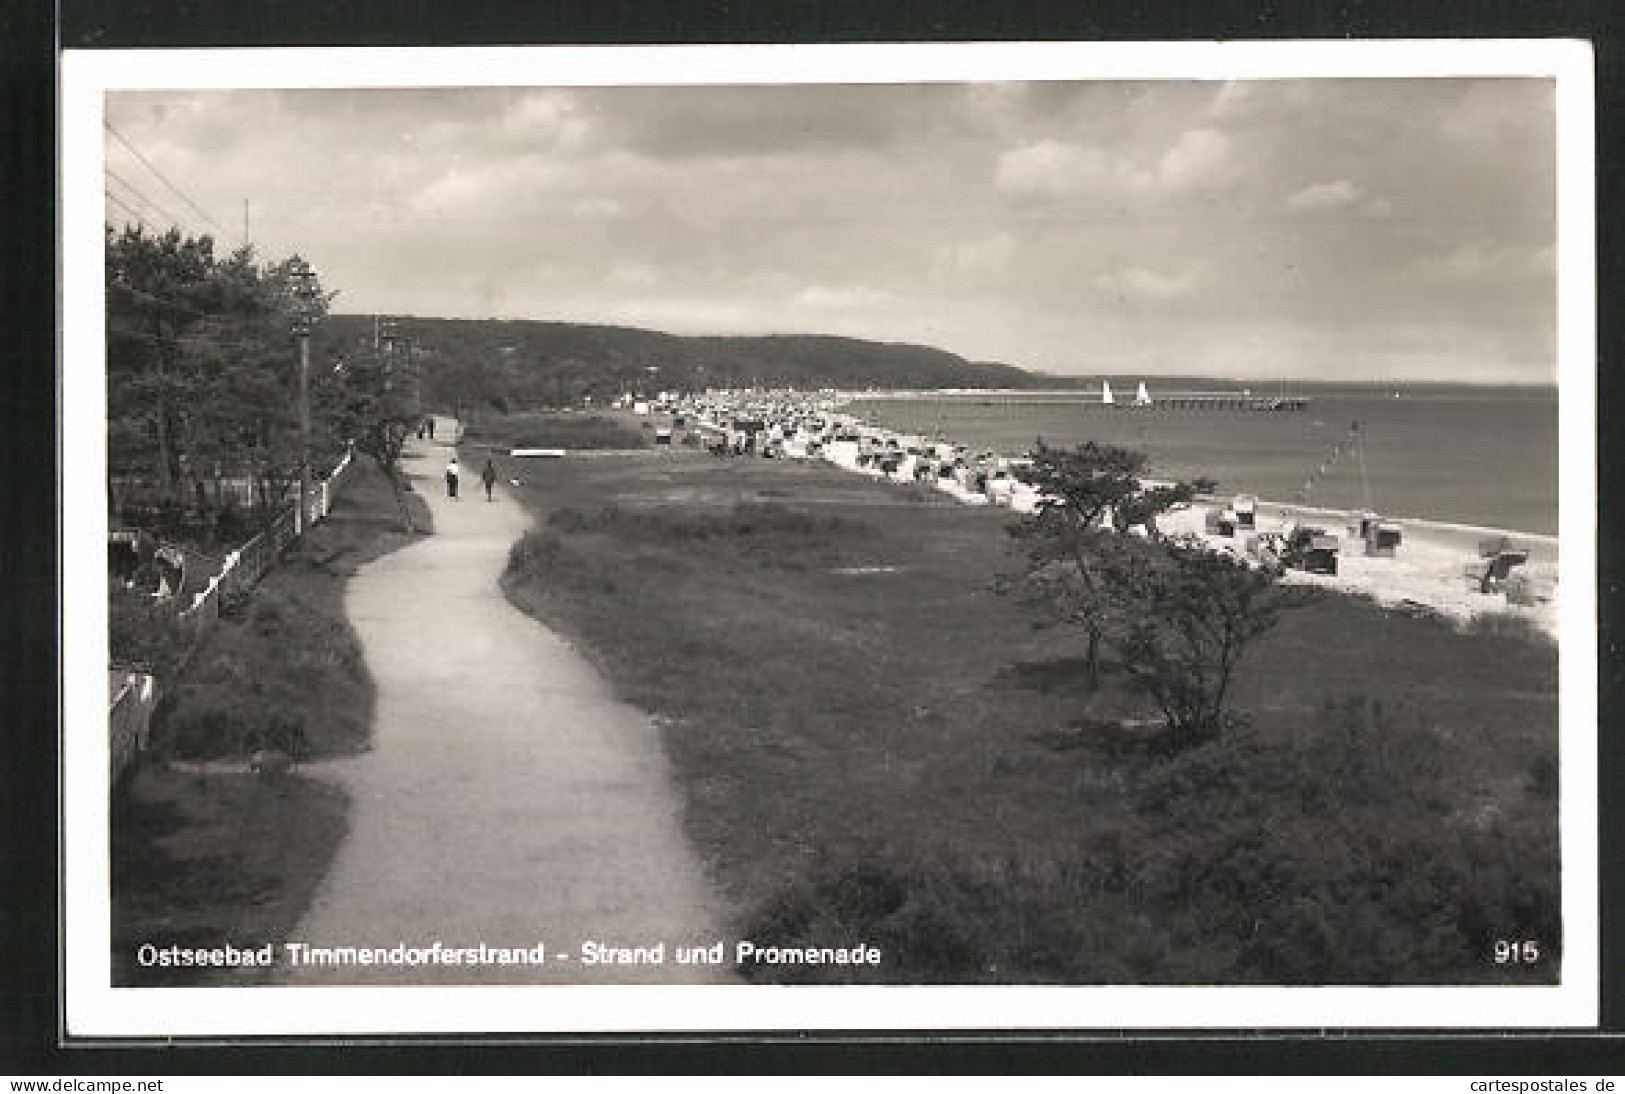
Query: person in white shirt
point(451, 479)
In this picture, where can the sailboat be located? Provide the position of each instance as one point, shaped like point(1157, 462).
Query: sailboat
point(1106, 393)
point(1142, 397)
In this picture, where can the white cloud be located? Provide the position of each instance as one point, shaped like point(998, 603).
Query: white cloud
point(545, 118)
point(1145, 283)
point(1199, 156)
point(1322, 196)
point(1480, 262)
point(480, 190)
point(1051, 168)
point(1235, 98)
point(598, 208)
point(634, 275)
point(976, 259)
point(835, 298)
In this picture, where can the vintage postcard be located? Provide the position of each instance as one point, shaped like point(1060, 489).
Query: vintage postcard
point(999, 537)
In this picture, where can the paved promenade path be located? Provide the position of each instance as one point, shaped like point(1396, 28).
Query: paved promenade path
point(508, 799)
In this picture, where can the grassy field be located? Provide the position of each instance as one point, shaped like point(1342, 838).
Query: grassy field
point(209, 856)
point(493, 431)
point(877, 746)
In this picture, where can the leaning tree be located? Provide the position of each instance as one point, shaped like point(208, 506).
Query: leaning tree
point(1088, 495)
point(1188, 615)
point(372, 397)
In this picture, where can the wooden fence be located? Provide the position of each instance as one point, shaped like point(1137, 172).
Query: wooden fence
point(245, 566)
point(133, 694)
point(131, 699)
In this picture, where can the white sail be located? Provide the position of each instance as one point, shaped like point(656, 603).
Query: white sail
point(1142, 397)
point(1106, 392)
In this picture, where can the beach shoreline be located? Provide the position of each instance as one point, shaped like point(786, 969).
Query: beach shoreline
point(1480, 457)
point(1429, 572)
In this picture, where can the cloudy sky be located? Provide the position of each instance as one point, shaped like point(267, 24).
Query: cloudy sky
point(1322, 229)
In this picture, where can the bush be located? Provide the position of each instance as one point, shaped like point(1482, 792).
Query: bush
point(286, 676)
point(542, 430)
point(145, 633)
point(744, 520)
point(1338, 856)
point(906, 909)
point(215, 721)
point(763, 532)
point(1341, 857)
point(1186, 619)
point(1507, 625)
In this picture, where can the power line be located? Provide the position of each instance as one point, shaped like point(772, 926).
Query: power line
point(143, 198)
point(176, 340)
point(138, 218)
point(133, 291)
point(160, 176)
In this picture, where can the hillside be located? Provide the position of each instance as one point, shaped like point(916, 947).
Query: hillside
point(529, 362)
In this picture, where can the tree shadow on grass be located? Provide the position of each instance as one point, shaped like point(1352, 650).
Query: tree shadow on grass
point(214, 861)
point(1061, 677)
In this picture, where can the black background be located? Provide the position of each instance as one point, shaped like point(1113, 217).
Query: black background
point(30, 1042)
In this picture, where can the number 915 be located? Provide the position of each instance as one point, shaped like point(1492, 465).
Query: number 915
point(1516, 953)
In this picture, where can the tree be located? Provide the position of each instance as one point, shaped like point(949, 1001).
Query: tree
point(372, 398)
point(201, 370)
point(1071, 545)
point(1189, 614)
point(1151, 502)
point(157, 287)
point(249, 419)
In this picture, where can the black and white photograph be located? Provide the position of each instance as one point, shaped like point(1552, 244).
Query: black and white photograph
point(829, 537)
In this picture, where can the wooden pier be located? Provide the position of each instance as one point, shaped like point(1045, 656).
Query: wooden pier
point(1192, 400)
point(1220, 401)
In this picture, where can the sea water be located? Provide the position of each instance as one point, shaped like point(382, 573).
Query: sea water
point(1468, 455)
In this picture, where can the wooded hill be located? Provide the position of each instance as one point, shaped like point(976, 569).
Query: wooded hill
point(531, 362)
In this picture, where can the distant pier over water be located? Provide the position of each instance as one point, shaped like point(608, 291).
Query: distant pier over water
point(1173, 400)
point(1217, 400)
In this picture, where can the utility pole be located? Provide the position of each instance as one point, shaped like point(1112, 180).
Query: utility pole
point(388, 335)
point(304, 289)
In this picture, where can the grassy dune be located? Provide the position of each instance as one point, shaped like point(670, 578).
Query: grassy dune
point(234, 857)
point(875, 746)
point(500, 432)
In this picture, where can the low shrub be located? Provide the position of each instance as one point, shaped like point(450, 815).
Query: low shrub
point(285, 675)
point(766, 533)
point(214, 721)
point(1507, 625)
point(542, 430)
point(673, 525)
point(145, 633)
point(1332, 857)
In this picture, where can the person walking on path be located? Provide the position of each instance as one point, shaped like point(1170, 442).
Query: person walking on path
point(431, 427)
point(489, 477)
point(452, 471)
point(531, 806)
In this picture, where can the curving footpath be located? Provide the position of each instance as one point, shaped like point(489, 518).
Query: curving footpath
point(508, 799)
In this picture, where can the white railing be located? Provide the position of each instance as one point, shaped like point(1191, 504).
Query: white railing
point(247, 564)
point(133, 695)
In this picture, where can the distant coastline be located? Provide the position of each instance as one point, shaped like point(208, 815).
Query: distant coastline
point(1465, 458)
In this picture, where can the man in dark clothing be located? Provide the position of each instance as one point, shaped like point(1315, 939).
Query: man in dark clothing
point(489, 476)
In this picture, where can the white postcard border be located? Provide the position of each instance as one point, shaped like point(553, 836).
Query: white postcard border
point(93, 1008)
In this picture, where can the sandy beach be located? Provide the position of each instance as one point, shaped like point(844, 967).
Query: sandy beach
point(1427, 573)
